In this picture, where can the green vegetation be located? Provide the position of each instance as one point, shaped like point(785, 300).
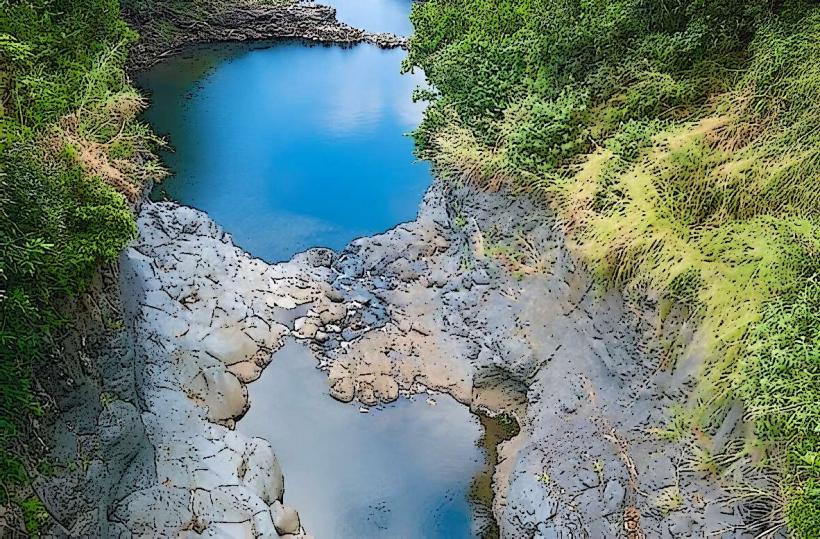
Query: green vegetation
point(71, 155)
point(679, 141)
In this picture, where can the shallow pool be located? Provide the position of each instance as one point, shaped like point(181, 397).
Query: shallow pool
point(290, 146)
point(404, 470)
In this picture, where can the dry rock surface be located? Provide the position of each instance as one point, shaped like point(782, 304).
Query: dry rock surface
point(478, 297)
point(202, 319)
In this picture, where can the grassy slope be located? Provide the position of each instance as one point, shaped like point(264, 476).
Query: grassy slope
point(71, 157)
point(680, 143)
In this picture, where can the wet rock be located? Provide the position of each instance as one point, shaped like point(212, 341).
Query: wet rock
point(342, 389)
point(192, 362)
point(121, 431)
point(529, 504)
point(216, 388)
point(517, 357)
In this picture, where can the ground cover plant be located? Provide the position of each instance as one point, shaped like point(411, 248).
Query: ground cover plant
point(679, 141)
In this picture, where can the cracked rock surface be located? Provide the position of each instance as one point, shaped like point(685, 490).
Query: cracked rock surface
point(478, 297)
point(202, 319)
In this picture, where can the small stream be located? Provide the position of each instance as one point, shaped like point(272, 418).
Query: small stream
point(289, 146)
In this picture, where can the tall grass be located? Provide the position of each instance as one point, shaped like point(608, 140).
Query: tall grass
point(71, 154)
point(681, 149)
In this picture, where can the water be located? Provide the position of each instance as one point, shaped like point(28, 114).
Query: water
point(403, 471)
point(375, 15)
point(290, 146)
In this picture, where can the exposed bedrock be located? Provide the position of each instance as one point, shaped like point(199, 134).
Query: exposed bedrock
point(158, 453)
point(248, 20)
point(478, 297)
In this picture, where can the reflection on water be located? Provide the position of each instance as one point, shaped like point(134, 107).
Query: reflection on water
point(496, 430)
point(403, 471)
point(375, 15)
point(290, 146)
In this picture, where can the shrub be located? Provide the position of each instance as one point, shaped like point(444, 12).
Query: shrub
point(65, 102)
point(679, 141)
point(781, 388)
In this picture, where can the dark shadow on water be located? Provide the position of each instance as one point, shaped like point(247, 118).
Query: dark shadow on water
point(496, 430)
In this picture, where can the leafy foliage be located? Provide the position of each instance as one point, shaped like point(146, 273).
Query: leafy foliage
point(782, 389)
point(69, 152)
point(679, 142)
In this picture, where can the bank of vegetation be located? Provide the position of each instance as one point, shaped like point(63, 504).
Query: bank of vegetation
point(679, 141)
point(73, 159)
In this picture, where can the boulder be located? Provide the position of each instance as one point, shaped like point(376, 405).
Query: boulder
point(285, 519)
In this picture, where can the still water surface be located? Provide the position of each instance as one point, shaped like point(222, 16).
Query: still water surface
point(404, 471)
point(290, 146)
point(376, 15)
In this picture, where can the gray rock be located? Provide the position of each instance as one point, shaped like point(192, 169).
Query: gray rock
point(320, 257)
point(614, 494)
point(285, 519)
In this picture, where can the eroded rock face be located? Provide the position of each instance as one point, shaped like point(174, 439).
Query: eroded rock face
point(480, 298)
point(206, 318)
point(247, 20)
point(202, 319)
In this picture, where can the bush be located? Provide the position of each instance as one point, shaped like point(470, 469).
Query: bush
point(64, 97)
point(781, 388)
point(679, 142)
point(544, 134)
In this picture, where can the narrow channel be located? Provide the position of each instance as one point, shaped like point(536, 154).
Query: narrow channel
point(288, 146)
